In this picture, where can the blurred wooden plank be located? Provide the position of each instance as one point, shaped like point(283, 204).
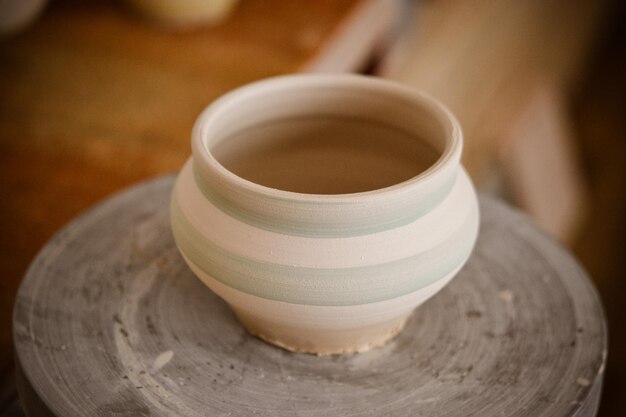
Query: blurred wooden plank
point(541, 165)
point(480, 57)
point(367, 28)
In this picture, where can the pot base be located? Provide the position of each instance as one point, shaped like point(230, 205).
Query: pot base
point(321, 342)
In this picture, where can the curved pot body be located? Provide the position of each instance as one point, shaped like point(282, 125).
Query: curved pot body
point(324, 272)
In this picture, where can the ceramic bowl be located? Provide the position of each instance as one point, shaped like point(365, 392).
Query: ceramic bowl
point(309, 207)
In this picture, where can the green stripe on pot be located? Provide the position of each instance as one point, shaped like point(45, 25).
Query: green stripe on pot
point(305, 229)
point(321, 286)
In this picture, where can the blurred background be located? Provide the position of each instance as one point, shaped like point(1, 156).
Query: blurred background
point(97, 95)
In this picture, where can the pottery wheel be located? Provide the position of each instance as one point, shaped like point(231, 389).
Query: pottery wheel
point(110, 321)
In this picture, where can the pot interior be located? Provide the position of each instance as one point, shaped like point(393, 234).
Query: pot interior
point(325, 154)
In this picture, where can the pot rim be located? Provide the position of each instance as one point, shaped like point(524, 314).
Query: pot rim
point(448, 159)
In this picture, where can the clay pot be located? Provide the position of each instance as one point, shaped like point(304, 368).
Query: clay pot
point(324, 208)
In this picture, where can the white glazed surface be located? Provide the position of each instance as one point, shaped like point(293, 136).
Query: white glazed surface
point(308, 272)
point(322, 329)
point(442, 238)
point(311, 316)
point(234, 235)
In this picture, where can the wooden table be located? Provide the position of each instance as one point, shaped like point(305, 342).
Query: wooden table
point(110, 321)
point(92, 99)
